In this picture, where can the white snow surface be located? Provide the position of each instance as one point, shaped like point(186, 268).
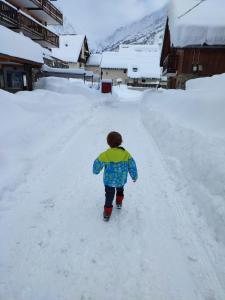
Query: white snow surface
point(69, 47)
point(20, 46)
point(203, 24)
point(167, 242)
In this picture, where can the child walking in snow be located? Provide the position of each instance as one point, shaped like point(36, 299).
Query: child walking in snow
point(117, 162)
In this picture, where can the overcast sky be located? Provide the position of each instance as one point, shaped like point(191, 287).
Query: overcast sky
point(99, 18)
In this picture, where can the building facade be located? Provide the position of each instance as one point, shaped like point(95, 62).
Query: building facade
point(190, 49)
point(28, 20)
point(134, 65)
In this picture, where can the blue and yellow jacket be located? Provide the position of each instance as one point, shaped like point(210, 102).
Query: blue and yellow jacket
point(117, 162)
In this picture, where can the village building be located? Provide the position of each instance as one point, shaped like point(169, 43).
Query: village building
point(134, 65)
point(114, 67)
point(23, 31)
point(93, 63)
point(73, 50)
point(19, 56)
point(143, 65)
point(194, 41)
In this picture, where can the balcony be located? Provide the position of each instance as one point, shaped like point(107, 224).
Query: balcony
point(169, 65)
point(43, 10)
point(18, 21)
point(9, 16)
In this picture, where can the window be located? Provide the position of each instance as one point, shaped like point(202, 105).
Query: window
point(14, 80)
point(197, 68)
point(1, 80)
point(125, 71)
point(194, 68)
point(24, 80)
point(143, 80)
point(135, 69)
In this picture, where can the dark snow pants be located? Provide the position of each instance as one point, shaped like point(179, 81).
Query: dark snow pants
point(110, 193)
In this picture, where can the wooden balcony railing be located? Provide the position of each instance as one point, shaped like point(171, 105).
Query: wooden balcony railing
point(51, 37)
point(52, 11)
point(16, 20)
point(8, 15)
point(49, 9)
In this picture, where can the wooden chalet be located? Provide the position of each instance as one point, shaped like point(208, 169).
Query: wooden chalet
point(73, 50)
point(188, 53)
point(29, 17)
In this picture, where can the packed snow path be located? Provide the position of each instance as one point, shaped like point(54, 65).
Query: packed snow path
point(56, 246)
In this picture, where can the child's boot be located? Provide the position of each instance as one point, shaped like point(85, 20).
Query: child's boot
point(119, 201)
point(107, 213)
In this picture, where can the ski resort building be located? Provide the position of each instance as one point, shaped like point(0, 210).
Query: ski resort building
point(73, 50)
point(194, 41)
point(23, 33)
point(134, 65)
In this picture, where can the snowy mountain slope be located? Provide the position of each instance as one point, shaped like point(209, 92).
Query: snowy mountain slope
point(148, 30)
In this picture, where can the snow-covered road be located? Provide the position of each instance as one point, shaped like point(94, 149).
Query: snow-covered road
point(55, 245)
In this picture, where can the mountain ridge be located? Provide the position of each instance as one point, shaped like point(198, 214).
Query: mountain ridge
point(148, 30)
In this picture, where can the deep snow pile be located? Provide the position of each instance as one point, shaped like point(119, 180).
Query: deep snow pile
point(189, 129)
point(27, 118)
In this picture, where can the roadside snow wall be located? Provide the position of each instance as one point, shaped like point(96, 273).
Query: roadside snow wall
point(189, 129)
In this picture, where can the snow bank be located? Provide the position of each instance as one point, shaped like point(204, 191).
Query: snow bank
point(27, 117)
point(207, 83)
point(189, 129)
point(65, 86)
point(124, 93)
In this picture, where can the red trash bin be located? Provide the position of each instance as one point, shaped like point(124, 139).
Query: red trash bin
point(106, 85)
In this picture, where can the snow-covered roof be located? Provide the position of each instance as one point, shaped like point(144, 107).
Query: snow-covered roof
point(17, 45)
point(113, 60)
point(69, 47)
point(195, 23)
point(94, 60)
point(141, 61)
point(138, 48)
